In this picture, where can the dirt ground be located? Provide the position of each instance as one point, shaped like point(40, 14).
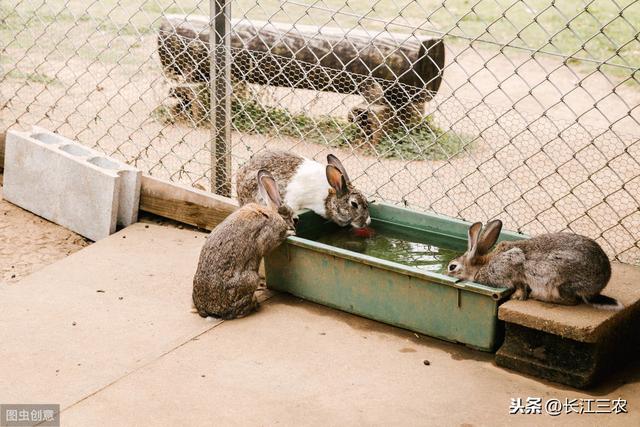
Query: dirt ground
point(28, 242)
point(555, 146)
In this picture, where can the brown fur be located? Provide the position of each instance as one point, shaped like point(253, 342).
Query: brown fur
point(280, 164)
point(562, 268)
point(340, 210)
point(348, 206)
point(227, 273)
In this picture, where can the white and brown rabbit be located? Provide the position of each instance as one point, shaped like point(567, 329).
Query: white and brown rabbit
point(307, 184)
point(561, 268)
point(227, 274)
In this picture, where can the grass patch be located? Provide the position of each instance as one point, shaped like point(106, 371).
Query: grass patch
point(34, 77)
point(163, 115)
point(127, 29)
point(421, 141)
point(595, 29)
point(599, 30)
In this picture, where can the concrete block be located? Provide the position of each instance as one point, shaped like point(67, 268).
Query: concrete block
point(69, 184)
point(573, 345)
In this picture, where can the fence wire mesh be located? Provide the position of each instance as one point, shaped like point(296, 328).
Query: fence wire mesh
point(522, 110)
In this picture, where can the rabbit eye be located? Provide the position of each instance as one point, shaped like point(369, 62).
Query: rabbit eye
point(354, 204)
point(452, 267)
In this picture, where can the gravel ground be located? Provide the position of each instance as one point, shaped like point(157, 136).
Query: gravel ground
point(28, 242)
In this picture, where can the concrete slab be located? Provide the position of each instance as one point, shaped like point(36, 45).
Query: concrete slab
point(582, 323)
point(76, 326)
point(146, 359)
point(297, 363)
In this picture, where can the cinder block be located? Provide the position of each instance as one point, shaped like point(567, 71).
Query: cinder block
point(69, 184)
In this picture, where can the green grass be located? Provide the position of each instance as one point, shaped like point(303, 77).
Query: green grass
point(425, 140)
point(419, 141)
point(422, 141)
point(35, 77)
point(125, 30)
point(597, 29)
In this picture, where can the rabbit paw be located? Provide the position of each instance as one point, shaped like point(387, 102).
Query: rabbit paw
point(520, 295)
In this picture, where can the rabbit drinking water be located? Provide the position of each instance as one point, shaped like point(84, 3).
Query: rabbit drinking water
point(227, 274)
point(561, 268)
point(307, 184)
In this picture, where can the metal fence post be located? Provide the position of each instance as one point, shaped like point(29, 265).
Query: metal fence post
point(220, 88)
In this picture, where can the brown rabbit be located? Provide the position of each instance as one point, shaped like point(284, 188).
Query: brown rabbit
point(227, 274)
point(561, 268)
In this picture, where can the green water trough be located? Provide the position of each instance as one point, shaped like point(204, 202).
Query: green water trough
point(410, 297)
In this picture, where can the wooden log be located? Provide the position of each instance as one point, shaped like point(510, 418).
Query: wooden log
point(193, 100)
point(373, 120)
point(404, 68)
point(184, 204)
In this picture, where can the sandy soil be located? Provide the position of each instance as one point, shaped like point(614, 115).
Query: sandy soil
point(555, 147)
point(28, 242)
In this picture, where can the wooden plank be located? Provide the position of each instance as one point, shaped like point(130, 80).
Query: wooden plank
point(184, 204)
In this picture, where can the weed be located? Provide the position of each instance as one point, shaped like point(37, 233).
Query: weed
point(422, 141)
point(35, 77)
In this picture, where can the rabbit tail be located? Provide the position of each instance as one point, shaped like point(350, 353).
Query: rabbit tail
point(604, 302)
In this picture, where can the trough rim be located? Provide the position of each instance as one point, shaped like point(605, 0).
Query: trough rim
point(497, 294)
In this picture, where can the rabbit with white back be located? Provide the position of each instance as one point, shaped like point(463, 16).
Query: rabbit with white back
point(561, 268)
point(307, 184)
point(227, 274)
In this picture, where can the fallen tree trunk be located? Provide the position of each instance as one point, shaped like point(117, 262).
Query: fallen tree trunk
point(397, 70)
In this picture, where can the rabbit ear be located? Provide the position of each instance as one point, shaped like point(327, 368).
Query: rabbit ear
point(474, 234)
point(336, 180)
point(489, 237)
point(269, 189)
point(333, 160)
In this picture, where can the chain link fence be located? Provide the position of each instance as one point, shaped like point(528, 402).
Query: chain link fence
point(522, 110)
